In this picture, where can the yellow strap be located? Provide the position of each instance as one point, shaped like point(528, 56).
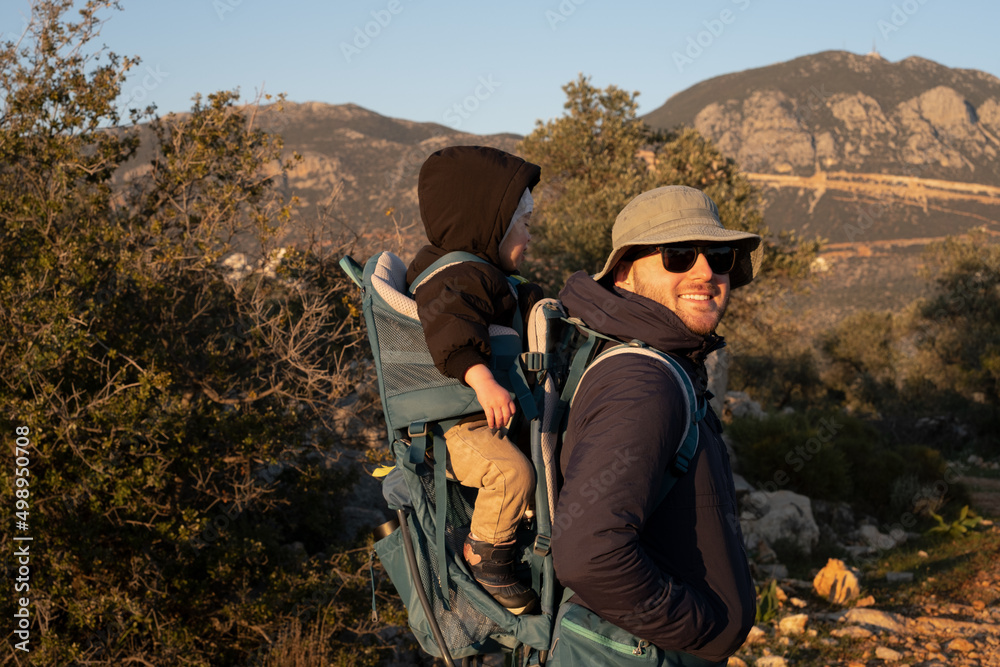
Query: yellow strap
point(382, 471)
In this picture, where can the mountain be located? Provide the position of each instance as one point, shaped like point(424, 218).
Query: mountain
point(878, 158)
point(855, 148)
point(358, 164)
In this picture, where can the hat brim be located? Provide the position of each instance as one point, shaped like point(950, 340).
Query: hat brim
point(749, 247)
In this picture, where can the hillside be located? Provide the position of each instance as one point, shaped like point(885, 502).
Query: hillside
point(359, 162)
point(855, 147)
point(878, 158)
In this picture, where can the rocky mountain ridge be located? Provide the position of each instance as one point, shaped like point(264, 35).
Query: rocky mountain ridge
point(854, 147)
point(357, 164)
point(877, 158)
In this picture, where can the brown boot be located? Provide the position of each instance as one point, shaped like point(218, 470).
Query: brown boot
point(493, 567)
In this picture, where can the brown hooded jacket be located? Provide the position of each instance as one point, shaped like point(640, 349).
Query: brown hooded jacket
point(468, 195)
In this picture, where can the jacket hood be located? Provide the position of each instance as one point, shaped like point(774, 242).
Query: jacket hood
point(628, 316)
point(468, 195)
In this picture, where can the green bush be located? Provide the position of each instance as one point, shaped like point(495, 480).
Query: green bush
point(829, 455)
point(180, 414)
point(794, 451)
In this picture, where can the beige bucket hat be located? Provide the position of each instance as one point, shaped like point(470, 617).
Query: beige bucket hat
point(676, 213)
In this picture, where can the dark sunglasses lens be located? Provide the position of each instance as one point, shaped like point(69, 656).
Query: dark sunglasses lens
point(721, 259)
point(679, 259)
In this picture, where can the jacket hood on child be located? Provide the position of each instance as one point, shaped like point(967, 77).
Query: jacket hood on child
point(468, 195)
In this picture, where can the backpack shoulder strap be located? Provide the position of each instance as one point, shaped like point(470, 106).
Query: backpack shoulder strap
point(454, 257)
point(695, 409)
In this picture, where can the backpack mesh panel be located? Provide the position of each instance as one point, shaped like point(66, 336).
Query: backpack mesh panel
point(464, 624)
point(406, 363)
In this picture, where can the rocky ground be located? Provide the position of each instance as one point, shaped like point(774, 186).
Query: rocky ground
point(944, 610)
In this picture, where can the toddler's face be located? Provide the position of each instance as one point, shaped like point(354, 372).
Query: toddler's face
point(515, 243)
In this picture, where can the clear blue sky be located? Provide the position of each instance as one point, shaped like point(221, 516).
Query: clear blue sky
point(503, 65)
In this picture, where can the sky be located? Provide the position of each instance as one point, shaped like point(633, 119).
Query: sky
point(499, 67)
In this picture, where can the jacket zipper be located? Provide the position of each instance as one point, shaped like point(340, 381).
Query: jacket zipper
point(627, 649)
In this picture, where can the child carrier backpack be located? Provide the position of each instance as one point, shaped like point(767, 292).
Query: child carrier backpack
point(421, 549)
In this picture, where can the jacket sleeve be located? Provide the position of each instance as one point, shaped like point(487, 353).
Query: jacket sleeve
point(626, 421)
point(456, 307)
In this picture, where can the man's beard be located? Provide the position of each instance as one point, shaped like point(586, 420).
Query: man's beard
point(662, 296)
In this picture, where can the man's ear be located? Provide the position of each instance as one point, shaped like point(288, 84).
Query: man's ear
point(623, 276)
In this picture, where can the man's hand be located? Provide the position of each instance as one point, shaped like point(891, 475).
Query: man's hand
point(496, 400)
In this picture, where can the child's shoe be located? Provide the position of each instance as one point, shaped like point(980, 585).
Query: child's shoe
point(493, 567)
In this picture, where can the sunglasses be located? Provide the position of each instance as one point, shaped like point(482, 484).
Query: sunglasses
point(681, 257)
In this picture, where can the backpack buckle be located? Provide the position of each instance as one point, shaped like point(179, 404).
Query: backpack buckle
point(418, 430)
point(543, 545)
point(534, 361)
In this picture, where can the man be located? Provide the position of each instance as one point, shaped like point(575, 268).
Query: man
point(672, 573)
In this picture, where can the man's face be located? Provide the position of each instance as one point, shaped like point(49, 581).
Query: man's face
point(698, 296)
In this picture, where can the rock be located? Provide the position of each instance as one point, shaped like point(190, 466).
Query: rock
point(742, 486)
point(961, 645)
point(756, 635)
point(798, 603)
point(739, 404)
point(857, 551)
point(765, 554)
point(873, 537)
point(888, 654)
point(873, 618)
point(853, 632)
point(978, 605)
point(947, 627)
point(736, 662)
point(793, 625)
point(771, 661)
point(773, 571)
point(783, 515)
point(866, 601)
point(717, 367)
point(898, 577)
point(835, 520)
point(836, 582)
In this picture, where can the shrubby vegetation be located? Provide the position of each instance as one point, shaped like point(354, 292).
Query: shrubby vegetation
point(919, 387)
point(183, 496)
point(182, 406)
point(828, 455)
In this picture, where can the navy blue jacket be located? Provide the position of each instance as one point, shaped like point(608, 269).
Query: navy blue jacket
point(673, 573)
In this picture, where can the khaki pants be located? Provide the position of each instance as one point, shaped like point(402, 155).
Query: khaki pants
point(488, 461)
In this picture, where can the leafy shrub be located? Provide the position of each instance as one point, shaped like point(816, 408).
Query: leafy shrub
point(832, 456)
point(180, 411)
point(794, 451)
